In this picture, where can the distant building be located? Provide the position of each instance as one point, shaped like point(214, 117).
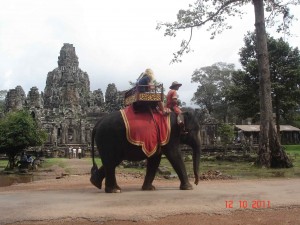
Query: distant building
point(288, 133)
point(67, 109)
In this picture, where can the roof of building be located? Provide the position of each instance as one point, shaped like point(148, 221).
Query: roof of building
point(255, 128)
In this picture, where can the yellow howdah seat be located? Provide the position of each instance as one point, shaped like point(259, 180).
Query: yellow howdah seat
point(143, 93)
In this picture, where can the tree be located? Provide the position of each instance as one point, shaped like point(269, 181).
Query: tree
point(215, 12)
point(2, 100)
point(243, 94)
point(18, 131)
point(113, 98)
point(285, 79)
point(214, 82)
point(226, 133)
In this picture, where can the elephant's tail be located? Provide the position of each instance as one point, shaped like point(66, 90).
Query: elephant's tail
point(97, 175)
point(93, 147)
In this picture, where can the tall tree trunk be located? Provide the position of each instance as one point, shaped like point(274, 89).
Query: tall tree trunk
point(11, 161)
point(277, 116)
point(271, 153)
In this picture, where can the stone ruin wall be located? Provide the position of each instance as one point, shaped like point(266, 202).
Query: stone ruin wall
point(67, 109)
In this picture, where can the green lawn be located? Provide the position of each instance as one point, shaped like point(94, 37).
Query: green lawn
point(3, 164)
point(292, 149)
point(293, 152)
point(247, 170)
point(240, 170)
point(54, 161)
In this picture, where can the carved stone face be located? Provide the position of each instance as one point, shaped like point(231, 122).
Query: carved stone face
point(68, 58)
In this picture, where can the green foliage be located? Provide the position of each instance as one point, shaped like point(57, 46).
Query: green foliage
point(226, 132)
point(285, 77)
point(3, 94)
point(18, 130)
point(244, 94)
point(113, 99)
point(213, 15)
point(2, 100)
point(214, 82)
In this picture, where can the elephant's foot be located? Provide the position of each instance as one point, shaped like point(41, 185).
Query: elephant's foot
point(187, 186)
point(115, 189)
point(148, 188)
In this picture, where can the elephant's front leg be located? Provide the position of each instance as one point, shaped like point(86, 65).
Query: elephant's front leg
point(176, 160)
point(152, 166)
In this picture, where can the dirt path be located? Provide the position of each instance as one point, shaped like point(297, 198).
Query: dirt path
point(73, 200)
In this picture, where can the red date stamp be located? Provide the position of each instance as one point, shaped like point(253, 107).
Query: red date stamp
point(245, 204)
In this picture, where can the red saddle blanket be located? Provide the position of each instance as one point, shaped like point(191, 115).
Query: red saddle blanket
point(141, 130)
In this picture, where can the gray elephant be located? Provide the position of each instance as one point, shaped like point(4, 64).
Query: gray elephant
point(110, 136)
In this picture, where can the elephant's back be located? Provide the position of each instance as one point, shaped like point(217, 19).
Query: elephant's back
point(110, 125)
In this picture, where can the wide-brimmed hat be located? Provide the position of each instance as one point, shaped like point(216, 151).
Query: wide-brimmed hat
point(175, 84)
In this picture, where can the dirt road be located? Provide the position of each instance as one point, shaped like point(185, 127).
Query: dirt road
point(73, 200)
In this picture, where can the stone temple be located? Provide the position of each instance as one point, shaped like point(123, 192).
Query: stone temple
point(67, 109)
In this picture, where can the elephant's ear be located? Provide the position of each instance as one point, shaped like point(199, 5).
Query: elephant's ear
point(190, 120)
point(187, 117)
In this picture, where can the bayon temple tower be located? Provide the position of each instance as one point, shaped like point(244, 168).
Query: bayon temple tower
point(67, 109)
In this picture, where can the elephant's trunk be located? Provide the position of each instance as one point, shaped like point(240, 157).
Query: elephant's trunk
point(196, 158)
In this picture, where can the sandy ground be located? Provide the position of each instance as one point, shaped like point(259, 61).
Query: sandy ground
point(17, 209)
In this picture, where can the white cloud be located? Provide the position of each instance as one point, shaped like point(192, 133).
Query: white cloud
point(114, 40)
point(6, 81)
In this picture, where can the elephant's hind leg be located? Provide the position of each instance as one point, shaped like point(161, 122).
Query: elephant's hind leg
point(111, 185)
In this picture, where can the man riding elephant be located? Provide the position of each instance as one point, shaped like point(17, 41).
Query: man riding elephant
point(172, 103)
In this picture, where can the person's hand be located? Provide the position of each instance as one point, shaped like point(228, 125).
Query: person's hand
point(166, 111)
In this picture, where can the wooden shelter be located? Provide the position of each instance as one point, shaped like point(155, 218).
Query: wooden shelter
point(288, 134)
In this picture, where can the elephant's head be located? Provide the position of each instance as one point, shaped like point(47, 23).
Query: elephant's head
point(193, 139)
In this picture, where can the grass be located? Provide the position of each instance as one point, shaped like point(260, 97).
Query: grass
point(98, 161)
point(241, 170)
point(54, 161)
point(46, 164)
point(247, 170)
point(293, 152)
point(3, 164)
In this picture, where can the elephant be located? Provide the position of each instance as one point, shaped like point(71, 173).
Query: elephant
point(109, 133)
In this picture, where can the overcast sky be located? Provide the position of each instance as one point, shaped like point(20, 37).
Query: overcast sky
point(115, 41)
